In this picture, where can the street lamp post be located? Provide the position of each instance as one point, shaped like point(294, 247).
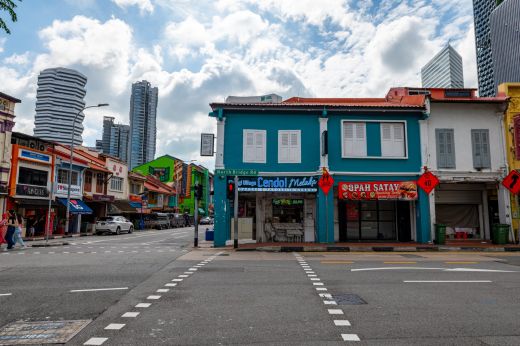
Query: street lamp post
point(69, 175)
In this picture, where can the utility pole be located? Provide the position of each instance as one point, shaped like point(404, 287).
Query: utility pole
point(235, 212)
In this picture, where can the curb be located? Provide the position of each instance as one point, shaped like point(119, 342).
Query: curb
point(50, 244)
point(325, 248)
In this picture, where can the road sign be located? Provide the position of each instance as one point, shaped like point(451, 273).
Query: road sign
point(428, 181)
point(326, 182)
point(239, 172)
point(207, 141)
point(512, 182)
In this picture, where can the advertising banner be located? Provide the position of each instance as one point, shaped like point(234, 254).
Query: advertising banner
point(389, 190)
point(277, 184)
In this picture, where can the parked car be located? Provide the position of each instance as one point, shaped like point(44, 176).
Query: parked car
point(114, 225)
point(208, 220)
point(176, 220)
point(157, 221)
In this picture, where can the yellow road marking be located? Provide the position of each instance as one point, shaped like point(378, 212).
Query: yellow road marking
point(454, 262)
point(336, 262)
point(398, 262)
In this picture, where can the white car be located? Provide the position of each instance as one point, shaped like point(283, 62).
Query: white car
point(114, 225)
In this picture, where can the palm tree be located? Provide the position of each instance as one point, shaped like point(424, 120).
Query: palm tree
point(9, 6)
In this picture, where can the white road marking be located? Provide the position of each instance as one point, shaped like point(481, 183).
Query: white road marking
point(36, 253)
point(478, 270)
point(335, 312)
point(340, 323)
point(330, 302)
point(95, 341)
point(170, 285)
point(350, 337)
point(115, 326)
point(184, 276)
point(321, 289)
point(130, 314)
point(394, 268)
point(315, 279)
point(447, 281)
point(189, 273)
point(99, 289)
point(66, 252)
point(162, 290)
point(325, 295)
point(143, 305)
point(5, 294)
point(177, 280)
point(153, 297)
point(193, 269)
point(317, 283)
point(312, 275)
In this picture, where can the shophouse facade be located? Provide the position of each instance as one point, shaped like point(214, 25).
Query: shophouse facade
point(512, 139)
point(7, 105)
point(30, 183)
point(463, 145)
point(371, 147)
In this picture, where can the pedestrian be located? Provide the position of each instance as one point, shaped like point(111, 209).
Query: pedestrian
point(12, 223)
point(3, 229)
point(17, 239)
point(186, 219)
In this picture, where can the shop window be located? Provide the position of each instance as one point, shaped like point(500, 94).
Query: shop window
point(370, 220)
point(29, 176)
point(135, 189)
point(88, 182)
point(480, 145)
point(254, 146)
point(287, 210)
point(116, 184)
point(289, 146)
point(100, 179)
point(445, 140)
point(63, 175)
point(393, 140)
point(354, 136)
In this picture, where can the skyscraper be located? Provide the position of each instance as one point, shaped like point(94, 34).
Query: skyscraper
point(143, 130)
point(444, 70)
point(115, 139)
point(481, 12)
point(505, 42)
point(58, 99)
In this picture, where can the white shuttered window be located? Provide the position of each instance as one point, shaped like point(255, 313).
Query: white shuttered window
point(254, 146)
point(289, 146)
point(393, 140)
point(354, 139)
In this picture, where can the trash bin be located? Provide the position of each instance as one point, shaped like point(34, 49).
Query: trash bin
point(440, 234)
point(500, 233)
point(209, 234)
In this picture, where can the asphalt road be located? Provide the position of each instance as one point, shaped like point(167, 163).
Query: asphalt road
point(209, 296)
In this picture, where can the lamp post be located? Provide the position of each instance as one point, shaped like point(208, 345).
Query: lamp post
point(69, 175)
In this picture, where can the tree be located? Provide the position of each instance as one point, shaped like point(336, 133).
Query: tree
point(9, 6)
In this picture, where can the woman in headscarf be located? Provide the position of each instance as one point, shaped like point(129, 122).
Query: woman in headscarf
point(3, 229)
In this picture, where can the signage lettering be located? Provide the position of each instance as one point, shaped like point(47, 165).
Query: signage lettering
point(29, 190)
point(400, 190)
point(34, 156)
point(296, 184)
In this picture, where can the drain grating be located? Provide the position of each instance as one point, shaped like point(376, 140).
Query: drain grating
point(43, 332)
point(348, 299)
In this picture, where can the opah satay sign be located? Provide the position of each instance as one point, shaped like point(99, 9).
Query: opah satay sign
point(396, 190)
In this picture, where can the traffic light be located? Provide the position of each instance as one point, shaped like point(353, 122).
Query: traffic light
point(198, 191)
point(231, 190)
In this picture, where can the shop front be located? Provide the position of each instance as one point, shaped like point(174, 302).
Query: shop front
point(276, 208)
point(376, 210)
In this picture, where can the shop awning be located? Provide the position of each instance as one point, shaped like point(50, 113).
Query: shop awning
point(125, 206)
point(27, 202)
point(77, 206)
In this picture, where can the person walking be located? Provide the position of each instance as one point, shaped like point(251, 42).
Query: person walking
point(17, 238)
point(12, 223)
point(3, 229)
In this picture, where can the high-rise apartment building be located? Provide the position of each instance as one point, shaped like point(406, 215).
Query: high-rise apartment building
point(444, 70)
point(59, 99)
point(115, 139)
point(481, 12)
point(505, 42)
point(143, 130)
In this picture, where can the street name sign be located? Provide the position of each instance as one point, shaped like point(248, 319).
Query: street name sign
point(239, 172)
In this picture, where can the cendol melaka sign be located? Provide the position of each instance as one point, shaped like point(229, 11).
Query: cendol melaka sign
point(278, 184)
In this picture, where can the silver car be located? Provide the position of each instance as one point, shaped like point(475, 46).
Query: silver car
point(114, 225)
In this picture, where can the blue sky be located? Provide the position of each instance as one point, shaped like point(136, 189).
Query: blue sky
point(201, 51)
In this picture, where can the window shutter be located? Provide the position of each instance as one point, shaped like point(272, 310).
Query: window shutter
point(259, 146)
point(392, 139)
point(450, 149)
point(445, 141)
point(485, 150)
point(348, 139)
point(248, 147)
point(475, 143)
point(480, 144)
point(295, 145)
point(399, 139)
point(516, 124)
point(360, 147)
point(283, 146)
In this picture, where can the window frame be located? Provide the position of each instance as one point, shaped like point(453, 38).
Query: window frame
point(437, 148)
point(488, 162)
point(405, 139)
point(116, 188)
point(245, 158)
point(289, 147)
point(63, 179)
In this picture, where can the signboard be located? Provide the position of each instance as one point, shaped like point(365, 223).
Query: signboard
point(239, 172)
point(393, 190)
point(135, 198)
point(428, 181)
point(102, 198)
point(325, 182)
point(207, 141)
point(161, 173)
point(278, 184)
point(512, 182)
point(29, 190)
point(278, 201)
point(34, 156)
point(75, 190)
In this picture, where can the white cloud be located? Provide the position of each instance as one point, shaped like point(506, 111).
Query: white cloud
point(2, 42)
point(144, 5)
point(17, 59)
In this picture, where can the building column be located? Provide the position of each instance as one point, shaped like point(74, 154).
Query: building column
point(219, 159)
point(423, 218)
point(324, 159)
point(222, 213)
point(485, 213)
point(433, 217)
point(325, 221)
point(504, 205)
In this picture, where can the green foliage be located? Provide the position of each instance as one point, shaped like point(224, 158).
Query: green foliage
point(9, 6)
